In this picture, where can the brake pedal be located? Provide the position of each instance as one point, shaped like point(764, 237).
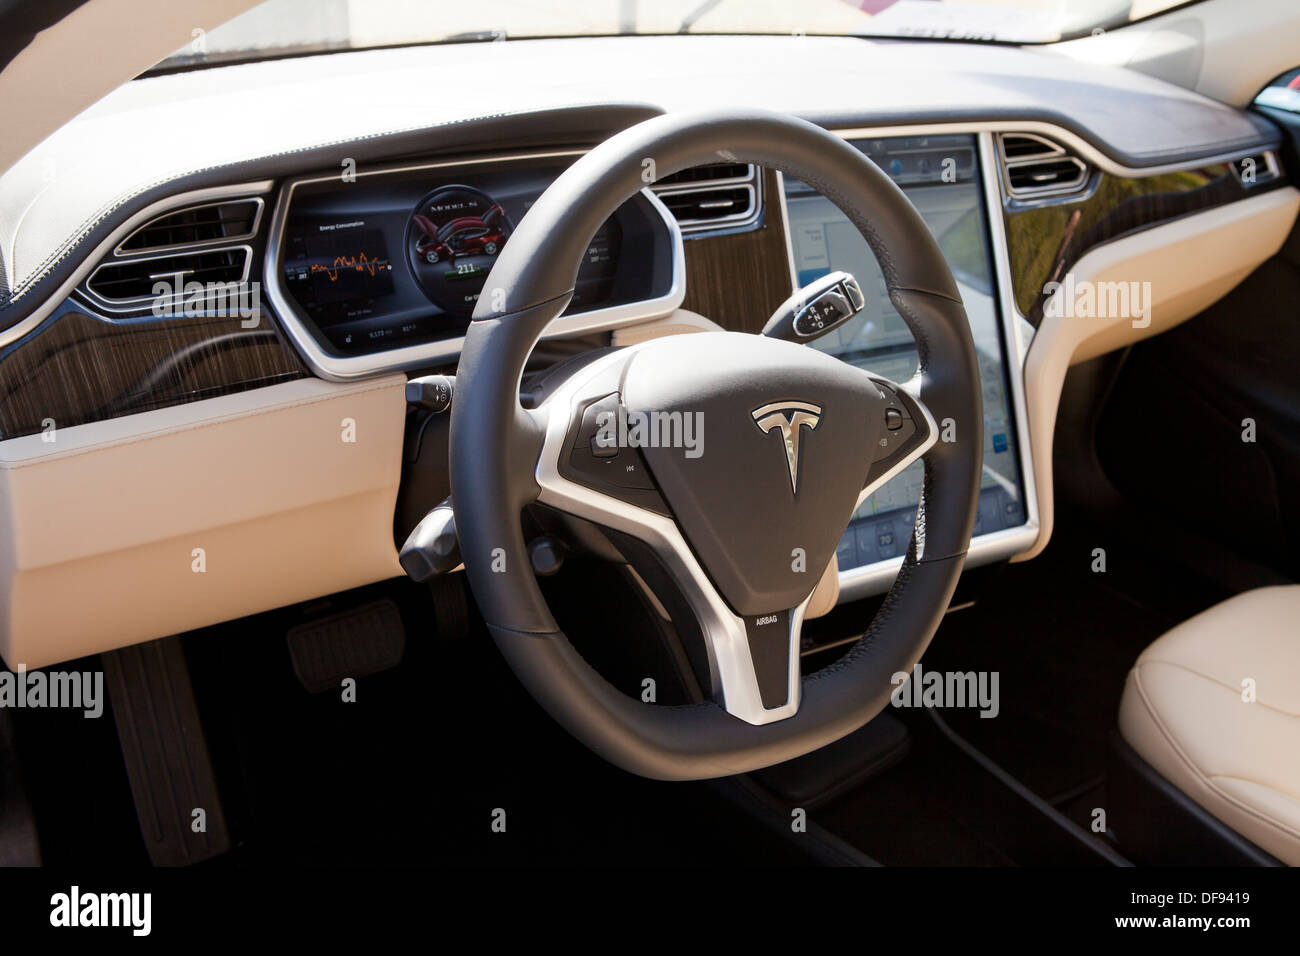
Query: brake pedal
point(352, 643)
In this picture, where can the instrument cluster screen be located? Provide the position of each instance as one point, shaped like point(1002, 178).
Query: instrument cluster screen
point(401, 258)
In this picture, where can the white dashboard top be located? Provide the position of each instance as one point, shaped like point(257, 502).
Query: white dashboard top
point(187, 126)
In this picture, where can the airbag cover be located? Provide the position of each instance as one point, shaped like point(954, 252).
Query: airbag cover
point(782, 438)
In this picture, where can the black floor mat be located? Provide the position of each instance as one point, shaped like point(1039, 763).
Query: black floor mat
point(938, 807)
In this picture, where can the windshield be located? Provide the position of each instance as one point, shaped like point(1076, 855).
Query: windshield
point(291, 27)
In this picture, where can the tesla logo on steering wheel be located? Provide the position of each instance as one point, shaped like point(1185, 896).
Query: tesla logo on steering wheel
point(789, 417)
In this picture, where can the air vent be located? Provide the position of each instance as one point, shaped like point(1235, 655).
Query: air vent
point(1034, 167)
point(1054, 175)
point(208, 224)
point(203, 242)
point(710, 173)
point(130, 282)
point(1256, 168)
point(1026, 145)
point(714, 197)
point(709, 206)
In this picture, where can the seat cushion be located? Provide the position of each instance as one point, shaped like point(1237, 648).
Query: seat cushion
point(1184, 710)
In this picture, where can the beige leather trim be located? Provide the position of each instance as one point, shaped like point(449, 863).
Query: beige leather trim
point(827, 592)
point(1190, 264)
point(1183, 712)
point(679, 322)
point(101, 525)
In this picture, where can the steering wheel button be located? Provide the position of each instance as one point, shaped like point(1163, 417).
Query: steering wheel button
point(893, 419)
point(628, 470)
point(602, 451)
point(592, 420)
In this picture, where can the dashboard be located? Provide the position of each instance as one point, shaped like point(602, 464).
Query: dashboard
point(385, 267)
point(370, 230)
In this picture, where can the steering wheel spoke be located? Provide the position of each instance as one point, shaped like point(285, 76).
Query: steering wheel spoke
point(908, 432)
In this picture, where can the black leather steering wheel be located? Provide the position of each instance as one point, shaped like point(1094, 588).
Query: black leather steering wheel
point(724, 523)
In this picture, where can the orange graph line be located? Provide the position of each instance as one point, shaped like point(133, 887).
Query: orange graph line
point(360, 263)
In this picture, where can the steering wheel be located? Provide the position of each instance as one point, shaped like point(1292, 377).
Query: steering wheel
point(790, 441)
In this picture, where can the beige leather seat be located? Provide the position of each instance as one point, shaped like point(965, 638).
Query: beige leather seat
point(1183, 711)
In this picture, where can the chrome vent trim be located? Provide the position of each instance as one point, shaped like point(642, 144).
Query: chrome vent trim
point(197, 257)
point(1035, 167)
point(173, 267)
point(717, 197)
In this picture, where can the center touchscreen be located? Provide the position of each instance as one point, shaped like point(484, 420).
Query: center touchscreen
point(940, 176)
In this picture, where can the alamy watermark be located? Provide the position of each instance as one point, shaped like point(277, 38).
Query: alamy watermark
point(76, 690)
point(624, 429)
point(1083, 299)
point(77, 908)
point(192, 299)
point(948, 689)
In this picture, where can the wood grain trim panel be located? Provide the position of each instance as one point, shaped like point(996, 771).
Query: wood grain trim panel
point(1045, 241)
point(738, 280)
point(78, 368)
